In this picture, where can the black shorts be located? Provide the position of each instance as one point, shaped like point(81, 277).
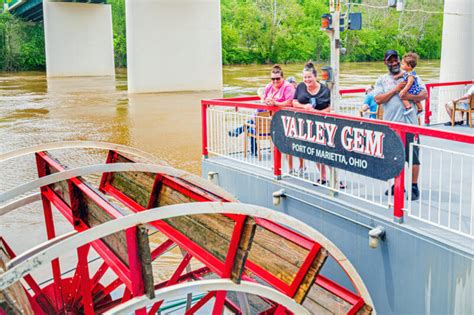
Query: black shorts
point(416, 149)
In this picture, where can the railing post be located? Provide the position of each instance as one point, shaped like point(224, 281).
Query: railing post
point(428, 105)
point(205, 154)
point(399, 191)
point(276, 163)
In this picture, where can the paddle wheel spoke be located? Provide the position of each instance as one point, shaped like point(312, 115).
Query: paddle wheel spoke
point(201, 303)
point(126, 295)
point(83, 266)
point(219, 303)
point(174, 279)
point(280, 310)
point(157, 252)
point(104, 293)
point(99, 274)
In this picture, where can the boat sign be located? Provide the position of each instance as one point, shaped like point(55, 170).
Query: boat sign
point(365, 148)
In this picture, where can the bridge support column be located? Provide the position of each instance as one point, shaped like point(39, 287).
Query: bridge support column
point(457, 45)
point(78, 39)
point(173, 45)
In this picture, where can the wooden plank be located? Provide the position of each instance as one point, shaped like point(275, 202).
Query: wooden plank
point(60, 188)
point(245, 244)
point(280, 246)
point(169, 196)
point(365, 310)
point(137, 186)
point(277, 255)
point(145, 259)
point(13, 300)
point(310, 276)
point(218, 223)
point(315, 308)
point(94, 215)
point(213, 233)
point(201, 235)
point(325, 299)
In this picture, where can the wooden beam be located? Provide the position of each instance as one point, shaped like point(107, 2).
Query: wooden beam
point(13, 300)
point(310, 277)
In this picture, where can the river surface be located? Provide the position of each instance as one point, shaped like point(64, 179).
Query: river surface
point(35, 110)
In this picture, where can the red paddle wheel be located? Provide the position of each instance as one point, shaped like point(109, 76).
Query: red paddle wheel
point(227, 246)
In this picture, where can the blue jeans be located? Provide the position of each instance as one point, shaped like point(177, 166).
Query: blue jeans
point(253, 142)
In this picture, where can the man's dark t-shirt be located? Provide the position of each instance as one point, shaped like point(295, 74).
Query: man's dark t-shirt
point(319, 101)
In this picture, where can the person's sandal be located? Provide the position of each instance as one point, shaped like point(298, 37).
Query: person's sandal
point(320, 182)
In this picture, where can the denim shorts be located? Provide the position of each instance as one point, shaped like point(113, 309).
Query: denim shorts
point(463, 106)
point(416, 149)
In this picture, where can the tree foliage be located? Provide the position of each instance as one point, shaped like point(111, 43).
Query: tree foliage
point(21, 44)
point(120, 41)
point(266, 31)
point(283, 31)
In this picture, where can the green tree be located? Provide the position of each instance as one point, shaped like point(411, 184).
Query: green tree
point(21, 44)
point(120, 38)
point(266, 31)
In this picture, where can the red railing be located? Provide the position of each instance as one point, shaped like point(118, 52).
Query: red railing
point(429, 88)
point(401, 129)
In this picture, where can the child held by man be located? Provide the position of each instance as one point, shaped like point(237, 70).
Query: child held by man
point(409, 62)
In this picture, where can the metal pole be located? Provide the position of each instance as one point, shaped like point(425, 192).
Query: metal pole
point(335, 52)
point(334, 35)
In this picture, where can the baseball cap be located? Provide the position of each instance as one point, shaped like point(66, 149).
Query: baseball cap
point(291, 79)
point(390, 53)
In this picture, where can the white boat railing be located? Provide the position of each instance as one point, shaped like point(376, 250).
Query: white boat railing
point(446, 189)
point(227, 129)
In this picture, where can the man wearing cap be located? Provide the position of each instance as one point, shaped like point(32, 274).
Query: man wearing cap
point(386, 93)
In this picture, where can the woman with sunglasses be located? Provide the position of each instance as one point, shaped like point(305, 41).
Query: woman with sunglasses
point(278, 92)
point(314, 96)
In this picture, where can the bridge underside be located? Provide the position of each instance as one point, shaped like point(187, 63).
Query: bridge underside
point(32, 10)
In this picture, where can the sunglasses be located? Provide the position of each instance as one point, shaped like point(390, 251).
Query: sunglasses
point(275, 79)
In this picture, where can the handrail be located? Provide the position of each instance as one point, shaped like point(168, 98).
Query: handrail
point(351, 91)
point(430, 86)
point(400, 128)
point(407, 128)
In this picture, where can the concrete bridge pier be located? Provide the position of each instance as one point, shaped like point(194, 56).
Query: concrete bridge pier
point(457, 46)
point(78, 39)
point(173, 45)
